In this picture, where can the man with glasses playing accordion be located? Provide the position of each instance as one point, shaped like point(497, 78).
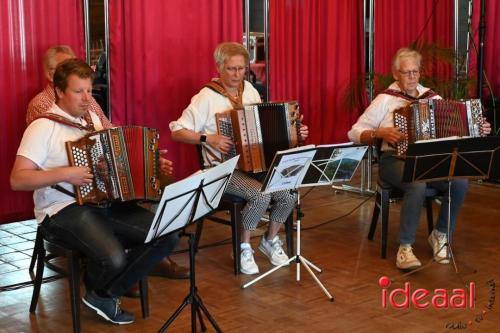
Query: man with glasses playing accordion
point(197, 125)
point(377, 124)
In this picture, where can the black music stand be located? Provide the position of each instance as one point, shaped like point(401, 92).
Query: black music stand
point(471, 158)
point(305, 167)
point(184, 203)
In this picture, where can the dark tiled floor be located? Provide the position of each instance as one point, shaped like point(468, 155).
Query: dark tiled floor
point(16, 247)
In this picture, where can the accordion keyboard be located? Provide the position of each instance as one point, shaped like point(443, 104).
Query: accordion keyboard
point(81, 159)
point(226, 129)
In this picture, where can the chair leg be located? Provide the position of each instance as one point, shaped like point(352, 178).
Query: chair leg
point(235, 231)
point(40, 255)
point(38, 244)
point(143, 289)
point(376, 213)
point(384, 199)
point(73, 259)
point(289, 235)
point(430, 218)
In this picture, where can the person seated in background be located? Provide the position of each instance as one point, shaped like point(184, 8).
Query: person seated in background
point(375, 124)
point(43, 101)
point(197, 125)
point(102, 234)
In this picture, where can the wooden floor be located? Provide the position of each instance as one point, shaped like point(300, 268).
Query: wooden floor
point(351, 269)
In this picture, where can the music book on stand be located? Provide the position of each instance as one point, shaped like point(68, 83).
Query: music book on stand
point(313, 165)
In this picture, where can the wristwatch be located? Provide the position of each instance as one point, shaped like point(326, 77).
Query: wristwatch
point(203, 138)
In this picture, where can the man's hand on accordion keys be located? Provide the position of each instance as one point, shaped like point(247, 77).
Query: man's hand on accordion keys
point(220, 142)
point(77, 175)
point(391, 135)
point(304, 130)
point(166, 166)
point(486, 128)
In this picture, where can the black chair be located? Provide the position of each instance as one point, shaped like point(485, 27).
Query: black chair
point(384, 194)
point(46, 245)
point(234, 205)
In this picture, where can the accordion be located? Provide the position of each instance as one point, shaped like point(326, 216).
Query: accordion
point(428, 119)
point(124, 162)
point(258, 131)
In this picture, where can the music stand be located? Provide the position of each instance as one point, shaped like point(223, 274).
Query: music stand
point(305, 167)
point(471, 158)
point(182, 204)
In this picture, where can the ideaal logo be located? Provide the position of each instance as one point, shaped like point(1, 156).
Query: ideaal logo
point(458, 298)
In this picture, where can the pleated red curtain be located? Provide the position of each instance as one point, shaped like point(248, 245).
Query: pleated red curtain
point(491, 50)
point(27, 29)
point(161, 55)
point(316, 50)
point(401, 23)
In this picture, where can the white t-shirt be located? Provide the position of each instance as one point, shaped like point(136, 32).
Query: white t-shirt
point(43, 143)
point(199, 116)
point(380, 113)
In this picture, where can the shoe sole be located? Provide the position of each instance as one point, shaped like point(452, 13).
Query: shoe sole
point(102, 314)
point(270, 259)
point(248, 272)
point(409, 268)
point(439, 260)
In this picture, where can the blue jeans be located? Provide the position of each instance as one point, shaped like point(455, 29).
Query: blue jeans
point(391, 171)
point(112, 240)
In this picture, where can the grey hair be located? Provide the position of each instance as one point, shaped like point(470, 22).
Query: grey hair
point(226, 50)
point(52, 51)
point(406, 53)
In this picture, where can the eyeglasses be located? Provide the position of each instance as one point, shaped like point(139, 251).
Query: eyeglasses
point(235, 69)
point(409, 73)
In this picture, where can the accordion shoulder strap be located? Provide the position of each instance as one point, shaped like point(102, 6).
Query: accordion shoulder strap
point(62, 120)
point(236, 102)
point(397, 93)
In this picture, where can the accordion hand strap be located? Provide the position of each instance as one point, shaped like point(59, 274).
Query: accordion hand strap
point(63, 120)
point(236, 102)
point(397, 93)
point(63, 190)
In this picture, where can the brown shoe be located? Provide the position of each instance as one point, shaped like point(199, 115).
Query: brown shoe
point(133, 292)
point(169, 269)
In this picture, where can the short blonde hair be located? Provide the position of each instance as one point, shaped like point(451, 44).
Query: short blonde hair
point(49, 56)
point(406, 53)
point(226, 50)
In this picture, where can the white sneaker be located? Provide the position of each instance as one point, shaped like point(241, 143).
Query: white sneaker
point(438, 241)
point(273, 250)
point(247, 262)
point(406, 259)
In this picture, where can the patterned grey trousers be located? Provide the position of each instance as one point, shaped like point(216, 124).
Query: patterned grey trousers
point(248, 188)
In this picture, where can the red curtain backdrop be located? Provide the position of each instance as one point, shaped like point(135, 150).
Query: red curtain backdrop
point(491, 49)
point(27, 29)
point(399, 23)
point(316, 50)
point(161, 55)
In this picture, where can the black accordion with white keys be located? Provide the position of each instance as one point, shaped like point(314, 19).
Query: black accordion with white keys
point(428, 119)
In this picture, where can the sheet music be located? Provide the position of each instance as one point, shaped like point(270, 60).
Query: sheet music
point(178, 199)
point(288, 168)
point(334, 163)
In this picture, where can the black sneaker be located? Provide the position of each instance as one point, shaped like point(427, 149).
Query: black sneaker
point(108, 308)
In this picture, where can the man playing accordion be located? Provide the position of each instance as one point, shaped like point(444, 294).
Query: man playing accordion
point(375, 124)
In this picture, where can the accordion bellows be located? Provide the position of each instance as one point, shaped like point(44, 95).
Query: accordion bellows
point(258, 131)
point(124, 162)
point(428, 119)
